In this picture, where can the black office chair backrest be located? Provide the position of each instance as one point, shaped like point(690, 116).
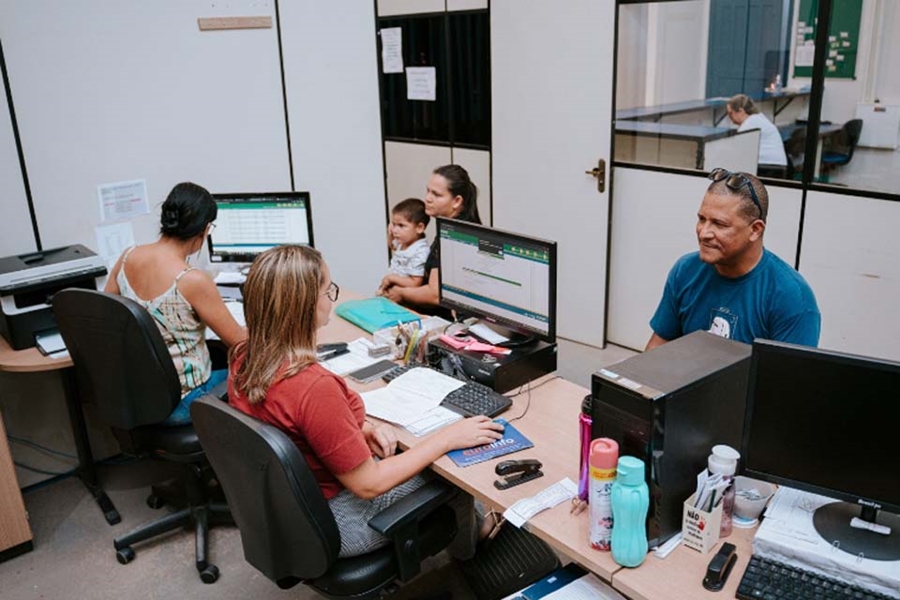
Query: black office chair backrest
point(121, 360)
point(850, 133)
point(287, 529)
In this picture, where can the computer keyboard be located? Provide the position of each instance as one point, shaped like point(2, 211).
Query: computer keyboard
point(769, 579)
point(471, 399)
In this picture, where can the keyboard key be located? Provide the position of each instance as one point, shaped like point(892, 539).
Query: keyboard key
point(766, 579)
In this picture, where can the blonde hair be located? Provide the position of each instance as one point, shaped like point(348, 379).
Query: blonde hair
point(743, 102)
point(280, 298)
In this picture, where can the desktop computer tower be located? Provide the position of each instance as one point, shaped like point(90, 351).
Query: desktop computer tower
point(668, 407)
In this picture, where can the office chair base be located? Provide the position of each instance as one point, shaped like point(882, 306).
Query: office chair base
point(200, 516)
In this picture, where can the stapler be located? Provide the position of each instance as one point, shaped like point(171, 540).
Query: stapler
point(515, 472)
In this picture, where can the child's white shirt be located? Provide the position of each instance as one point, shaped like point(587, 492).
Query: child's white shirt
point(410, 262)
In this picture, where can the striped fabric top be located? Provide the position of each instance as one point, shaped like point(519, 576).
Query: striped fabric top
point(181, 329)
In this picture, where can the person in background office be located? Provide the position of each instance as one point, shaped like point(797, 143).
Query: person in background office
point(772, 158)
point(733, 286)
point(450, 193)
point(274, 377)
point(182, 300)
point(409, 248)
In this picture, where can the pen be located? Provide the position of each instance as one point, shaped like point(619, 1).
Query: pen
point(332, 353)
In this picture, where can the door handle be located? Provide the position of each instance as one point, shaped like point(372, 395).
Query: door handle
point(600, 173)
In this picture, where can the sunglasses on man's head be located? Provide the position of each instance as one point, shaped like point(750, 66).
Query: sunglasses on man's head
point(735, 181)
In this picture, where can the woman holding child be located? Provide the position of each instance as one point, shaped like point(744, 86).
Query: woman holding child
point(451, 194)
point(274, 377)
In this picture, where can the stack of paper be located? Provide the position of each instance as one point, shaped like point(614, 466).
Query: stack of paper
point(357, 358)
point(413, 400)
point(787, 534)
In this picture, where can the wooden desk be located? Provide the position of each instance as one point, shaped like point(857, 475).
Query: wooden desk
point(551, 422)
point(32, 361)
point(679, 576)
point(15, 533)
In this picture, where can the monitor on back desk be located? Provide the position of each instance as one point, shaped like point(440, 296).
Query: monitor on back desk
point(249, 224)
point(826, 422)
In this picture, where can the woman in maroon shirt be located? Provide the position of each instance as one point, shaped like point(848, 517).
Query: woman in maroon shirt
point(274, 377)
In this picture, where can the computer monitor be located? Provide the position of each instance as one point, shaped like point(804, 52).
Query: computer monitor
point(249, 224)
point(827, 423)
point(506, 279)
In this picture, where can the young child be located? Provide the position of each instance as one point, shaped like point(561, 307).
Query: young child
point(409, 246)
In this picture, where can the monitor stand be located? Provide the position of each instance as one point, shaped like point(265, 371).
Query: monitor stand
point(832, 521)
point(496, 334)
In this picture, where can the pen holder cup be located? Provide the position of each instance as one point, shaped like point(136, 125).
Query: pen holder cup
point(750, 506)
point(700, 529)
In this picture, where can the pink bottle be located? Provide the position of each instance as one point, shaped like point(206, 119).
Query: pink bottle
point(603, 459)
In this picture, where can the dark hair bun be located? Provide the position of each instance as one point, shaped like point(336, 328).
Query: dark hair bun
point(187, 211)
point(169, 220)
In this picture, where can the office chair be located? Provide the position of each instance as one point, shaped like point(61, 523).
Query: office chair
point(123, 364)
point(839, 148)
point(795, 150)
point(287, 529)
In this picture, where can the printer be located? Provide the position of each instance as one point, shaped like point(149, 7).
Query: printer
point(28, 283)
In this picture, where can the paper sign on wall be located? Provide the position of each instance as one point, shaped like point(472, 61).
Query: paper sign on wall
point(122, 200)
point(113, 239)
point(392, 50)
point(421, 83)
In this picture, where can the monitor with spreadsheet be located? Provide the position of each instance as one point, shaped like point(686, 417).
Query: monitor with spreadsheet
point(249, 224)
point(504, 278)
point(826, 422)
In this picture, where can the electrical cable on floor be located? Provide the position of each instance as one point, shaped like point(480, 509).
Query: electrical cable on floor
point(42, 471)
point(36, 446)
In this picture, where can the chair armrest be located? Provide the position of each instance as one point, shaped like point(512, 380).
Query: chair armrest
point(400, 523)
point(412, 507)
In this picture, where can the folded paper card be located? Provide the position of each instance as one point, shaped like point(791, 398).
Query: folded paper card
point(373, 314)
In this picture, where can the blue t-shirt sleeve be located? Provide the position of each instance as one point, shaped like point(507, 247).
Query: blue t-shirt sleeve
point(798, 321)
point(665, 322)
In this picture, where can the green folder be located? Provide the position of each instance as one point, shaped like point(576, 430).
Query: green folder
point(375, 313)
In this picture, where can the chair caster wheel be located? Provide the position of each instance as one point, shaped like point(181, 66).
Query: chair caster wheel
point(125, 555)
point(210, 574)
point(155, 502)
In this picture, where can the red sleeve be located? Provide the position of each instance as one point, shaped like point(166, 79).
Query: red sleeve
point(331, 426)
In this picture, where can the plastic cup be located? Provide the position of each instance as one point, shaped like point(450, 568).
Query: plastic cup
point(749, 509)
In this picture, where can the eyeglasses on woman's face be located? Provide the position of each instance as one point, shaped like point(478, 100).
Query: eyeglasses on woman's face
point(333, 291)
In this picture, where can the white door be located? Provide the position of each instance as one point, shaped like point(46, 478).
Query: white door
point(551, 84)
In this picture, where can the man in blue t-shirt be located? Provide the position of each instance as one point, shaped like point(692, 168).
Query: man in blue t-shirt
point(733, 287)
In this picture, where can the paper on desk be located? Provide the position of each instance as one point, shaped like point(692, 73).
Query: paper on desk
point(428, 384)
point(357, 358)
point(411, 398)
point(589, 587)
point(230, 277)
point(787, 534)
point(519, 513)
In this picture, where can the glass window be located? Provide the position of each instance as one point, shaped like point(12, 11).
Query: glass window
point(861, 100)
point(703, 84)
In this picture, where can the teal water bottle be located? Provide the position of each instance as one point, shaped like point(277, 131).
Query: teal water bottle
point(630, 501)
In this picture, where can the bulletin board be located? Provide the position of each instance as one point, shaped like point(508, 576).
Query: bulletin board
point(843, 39)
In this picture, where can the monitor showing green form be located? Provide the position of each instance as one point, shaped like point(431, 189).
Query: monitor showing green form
point(506, 279)
point(249, 224)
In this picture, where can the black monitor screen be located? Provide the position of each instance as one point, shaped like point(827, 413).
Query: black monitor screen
point(249, 224)
point(506, 278)
point(824, 422)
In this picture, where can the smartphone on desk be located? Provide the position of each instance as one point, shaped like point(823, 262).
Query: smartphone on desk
point(372, 372)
